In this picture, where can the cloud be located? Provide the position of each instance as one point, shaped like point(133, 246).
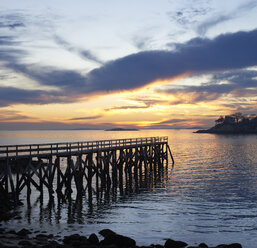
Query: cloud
point(205, 26)
point(11, 95)
point(86, 54)
point(228, 51)
point(172, 121)
point(11, 25)
point(213, 21)
point(145, 102)
point(10, 115)
point(127, 107)
point(11, 21)
point(188, 16)
point(6, 41)
point(26, 125)
point(241, 83)
point(86, 118)
point(225, 52)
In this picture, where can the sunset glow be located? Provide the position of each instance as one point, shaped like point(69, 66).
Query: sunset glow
point(95, 70)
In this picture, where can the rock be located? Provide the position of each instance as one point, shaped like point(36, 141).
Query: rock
point(106, 232)
point(118, 240)
point(203, 245)
point(18, 218)
point(234, 245)
point(52, 244)
point(174, 244)
point(75, 240)
point(158, 246)
point(25, 243)
point(42, 237)
point(23, 232)
point(69, 239)
point(93, 239)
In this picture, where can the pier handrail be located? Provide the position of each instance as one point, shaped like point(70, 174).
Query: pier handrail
point(15, 151)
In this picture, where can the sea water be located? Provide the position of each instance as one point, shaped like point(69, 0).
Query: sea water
point(209, 196)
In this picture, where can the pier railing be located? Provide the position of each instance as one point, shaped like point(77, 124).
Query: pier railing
point(19, 151)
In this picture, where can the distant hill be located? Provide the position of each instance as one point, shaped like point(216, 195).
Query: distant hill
point(234, 124)
point(121, 129)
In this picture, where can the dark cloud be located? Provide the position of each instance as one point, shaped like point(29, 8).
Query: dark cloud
point(71, 82)
point(86, 118)
point(11, 95)
point(229, 51)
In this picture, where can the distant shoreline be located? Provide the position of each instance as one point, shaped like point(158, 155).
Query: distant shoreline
point(121, 129)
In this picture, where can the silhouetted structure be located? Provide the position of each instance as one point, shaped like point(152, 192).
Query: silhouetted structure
point(62, 167)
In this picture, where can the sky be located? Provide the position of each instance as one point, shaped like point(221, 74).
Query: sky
point(137, 63)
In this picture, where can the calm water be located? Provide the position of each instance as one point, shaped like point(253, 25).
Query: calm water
point(210, 195)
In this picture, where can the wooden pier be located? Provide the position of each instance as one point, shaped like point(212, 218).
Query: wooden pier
point(87, 166)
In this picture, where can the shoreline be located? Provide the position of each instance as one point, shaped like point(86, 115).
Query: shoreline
point(28, 238)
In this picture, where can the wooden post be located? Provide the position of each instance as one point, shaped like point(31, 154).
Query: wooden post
point(17, 186)
point(68, 176)
point(41, 179)
point(120, 168)
point(136, 168)
point(58, 186)
point(114, 169)
point(98, 164)
point(89, 175)
point(28, 183)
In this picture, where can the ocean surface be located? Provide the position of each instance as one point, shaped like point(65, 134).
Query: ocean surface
point(209, 196)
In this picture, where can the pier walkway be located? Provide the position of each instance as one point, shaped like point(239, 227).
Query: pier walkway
point(63, 167)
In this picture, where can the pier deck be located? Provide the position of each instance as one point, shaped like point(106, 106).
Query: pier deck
point(58, 166)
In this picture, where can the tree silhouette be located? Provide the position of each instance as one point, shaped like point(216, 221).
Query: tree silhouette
point(220, 120)
point(237, 116)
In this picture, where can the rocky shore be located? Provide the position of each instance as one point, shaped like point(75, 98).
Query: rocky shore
point(35, 239)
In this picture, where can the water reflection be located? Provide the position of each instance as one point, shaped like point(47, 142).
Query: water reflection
point(86, 208)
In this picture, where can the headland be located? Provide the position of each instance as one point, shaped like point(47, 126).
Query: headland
point(233, 124)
